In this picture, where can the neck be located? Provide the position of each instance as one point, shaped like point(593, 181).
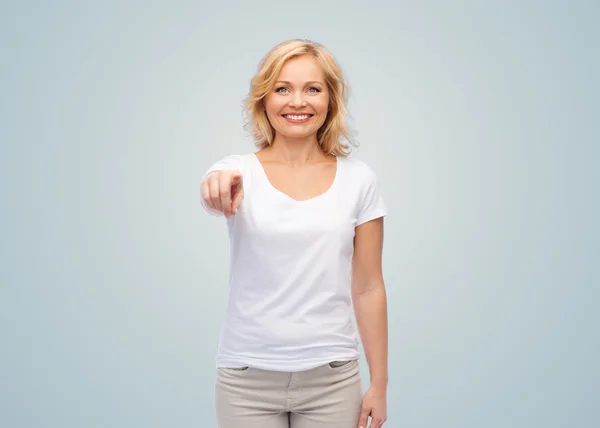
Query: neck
point(296, 151)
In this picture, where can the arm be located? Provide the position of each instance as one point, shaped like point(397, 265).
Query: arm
point(370, 307)
point(370, 300)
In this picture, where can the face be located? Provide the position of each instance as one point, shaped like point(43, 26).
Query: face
point(298, 103)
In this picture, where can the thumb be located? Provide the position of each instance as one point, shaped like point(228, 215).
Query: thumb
point(237, 200)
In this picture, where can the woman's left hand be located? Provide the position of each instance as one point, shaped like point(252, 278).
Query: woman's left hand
point(374, 404)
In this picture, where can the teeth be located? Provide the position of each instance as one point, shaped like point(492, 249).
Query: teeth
point(294, 117)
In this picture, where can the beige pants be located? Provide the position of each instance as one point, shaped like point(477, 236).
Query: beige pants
point(328, 396)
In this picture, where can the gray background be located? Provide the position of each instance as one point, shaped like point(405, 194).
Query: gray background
point(478, 118)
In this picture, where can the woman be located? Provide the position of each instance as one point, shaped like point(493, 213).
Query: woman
point(305, 224)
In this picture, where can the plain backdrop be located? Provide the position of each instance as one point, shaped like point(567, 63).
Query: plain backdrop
point(479, 118)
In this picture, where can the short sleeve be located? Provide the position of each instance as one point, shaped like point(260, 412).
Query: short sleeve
point(371, 203)
point(228, 162)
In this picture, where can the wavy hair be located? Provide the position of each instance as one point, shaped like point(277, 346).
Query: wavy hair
point(334, 130)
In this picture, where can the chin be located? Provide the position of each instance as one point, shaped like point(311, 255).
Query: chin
point(298, 134)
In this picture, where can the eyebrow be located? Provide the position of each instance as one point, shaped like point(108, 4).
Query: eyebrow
point(306, 83)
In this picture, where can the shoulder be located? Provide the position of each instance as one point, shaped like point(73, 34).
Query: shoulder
point(358, 170)
point(357, 164)
point(236, 158)
point(232, 161)
point(360, 178)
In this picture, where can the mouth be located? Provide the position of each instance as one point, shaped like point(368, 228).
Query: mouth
point(297, 117)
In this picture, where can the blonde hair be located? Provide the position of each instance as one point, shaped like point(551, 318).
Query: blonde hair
point(334, 129)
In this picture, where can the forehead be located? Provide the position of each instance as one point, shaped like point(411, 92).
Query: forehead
point(301, 69)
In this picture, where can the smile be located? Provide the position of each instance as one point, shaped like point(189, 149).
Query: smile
point(297, 118)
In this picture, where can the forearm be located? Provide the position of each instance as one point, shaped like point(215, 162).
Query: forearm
point(370, 309)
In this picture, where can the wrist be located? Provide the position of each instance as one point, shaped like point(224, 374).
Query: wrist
point(379, 382)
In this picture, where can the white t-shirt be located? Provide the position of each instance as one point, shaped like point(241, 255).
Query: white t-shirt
point(289, 305)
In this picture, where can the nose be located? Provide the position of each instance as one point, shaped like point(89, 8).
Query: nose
point(297, 99)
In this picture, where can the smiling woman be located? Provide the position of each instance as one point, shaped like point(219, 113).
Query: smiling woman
point(300, 72)
point(302, 104)
point(305, 223)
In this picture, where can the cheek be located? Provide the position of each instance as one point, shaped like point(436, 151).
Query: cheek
point(321, 104)
point(274, 104)
point(268, 104)
point(272, 110)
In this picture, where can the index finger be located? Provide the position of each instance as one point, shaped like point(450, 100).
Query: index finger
point(236, 178)
point(225, 192)
point(364, 418)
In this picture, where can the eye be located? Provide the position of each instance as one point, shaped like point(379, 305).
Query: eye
point(280, 90)
point(314, 90)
